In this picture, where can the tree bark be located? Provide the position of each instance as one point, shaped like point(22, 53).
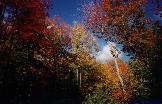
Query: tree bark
point(118, 72)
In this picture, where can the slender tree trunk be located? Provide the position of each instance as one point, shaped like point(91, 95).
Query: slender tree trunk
point(10, 50)
point(77, 75)
point(80, 80)
point(2, 10)
point(29, 62)
point(118, 72)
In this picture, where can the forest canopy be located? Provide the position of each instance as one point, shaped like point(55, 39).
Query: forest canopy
point(45, 60)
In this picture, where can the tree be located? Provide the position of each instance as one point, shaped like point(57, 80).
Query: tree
point(121, 94)
point(82, 44)
point(23, 25)
point(122, 22)
point(82, 40)
point(115, 53)
point(22, 29)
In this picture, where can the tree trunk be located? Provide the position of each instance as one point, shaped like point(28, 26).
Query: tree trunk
point(80, 80)
point(2, 10)
point(118, 72)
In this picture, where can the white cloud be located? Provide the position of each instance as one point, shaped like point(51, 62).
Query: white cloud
point(105, 54)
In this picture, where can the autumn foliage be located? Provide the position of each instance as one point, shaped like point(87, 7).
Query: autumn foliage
point(44, 59)
point(122, 22)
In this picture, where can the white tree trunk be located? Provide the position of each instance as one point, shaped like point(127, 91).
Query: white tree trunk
point(77, 75)
point(118, 72)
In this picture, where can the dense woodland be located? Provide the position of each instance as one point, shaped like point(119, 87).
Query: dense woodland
point(47, 61)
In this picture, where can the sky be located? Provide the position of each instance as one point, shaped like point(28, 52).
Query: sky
point(150, 10)
point(68, 10)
